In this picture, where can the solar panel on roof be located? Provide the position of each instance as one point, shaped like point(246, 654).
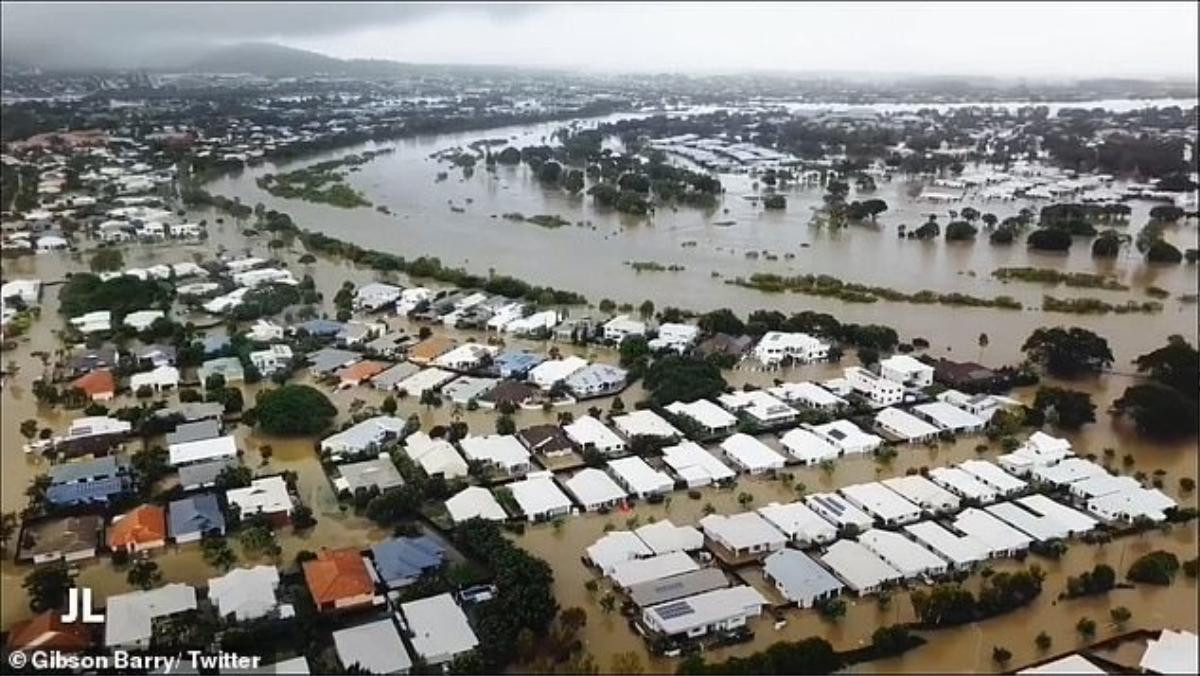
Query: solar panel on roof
point(674, 609)
point(670, 586)
point(837, 434)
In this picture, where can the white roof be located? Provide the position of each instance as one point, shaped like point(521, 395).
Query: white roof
point(806, 392)
point(467, 353)
point(750, 453)
point(742, 530)
point(949, 417)
point(962, 482)
point(439, 628)
point(635, 571)
point(361, 436)
point(246, 593)
point(905, 364)
point(640, 477)
point(838, 510)
point(857, 566)
point(1043, 444)
point(435, 456)
point(615, 547)
point(374, 646)
point(553, 370)
point(645, 423)
point(899, 552)
point(959, 549)
point(799, 522)
point(991, 531)
point(808, 447)
point(848, 436)
point(473, 502)
point(1101, 484)
point(268, 495)
point(425, 379)
point(905, 425)
point(704, 412)
point(919, 490)
point(882, 502)
point(1173, 652)
point(1074, 519)
point(1040, 526)
point(203, 449)
point(758, 403)
point(129, 617)
point(702, 610)
point(586, 430)
point(593, 487)
point(1069, 471)
point(1148, 502)
point(696, 465)
point(1071, 664)
point(665, 537)
point(538, 494)
point(502, 449)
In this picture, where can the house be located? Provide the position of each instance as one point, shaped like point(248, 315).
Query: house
point(923, 492)
point(808, 395)
point(536, 325)
point(510, 393)
point(156, 380)
point(909, 558)
point(706, 416)
point(202, 450)
point(374, 647)
point(1132, 505)
point(585, 432)
point(619, 328)
point(664, 537)
point(1173, 652)
point(467, 389)
point(655, 592)
point(466, 357)
point(965, 376)
point(961, 551)
point(950, 418)
point(268, 496)
point(71, 538)
point(553, 371)
point(424, 352)
point(596, 380)
point(129, 618)
point(1001, 539)
point(88, 482)
point(475, 502)
point(359, 372)
point(27, 291)
point(963, 484)
point(616, 547)
point(594, 490)
point(906, 370)
point(1071, 664)
point(761, 408)
point(204, 474)
point(860, 568)
point(849, 439)
point(639, 478)
point(378, 474)
point(839, 511)
point(155, 356)
point(338, 580)
point(775, 347)
point(438, 629)
point(390, 345)
point(712, 611)
point(880, 391)
point(675, 337)
point(264, 331)
point(369, 436)
point(411, 299)
point(798, 522)
point(229, 368)
point(273, 359)
point(329, 360)
point(319, 328)
point(47, 631)
point(500, 451)
point(1065, 473)
point(91, 434)
point(426, 380)
point(142, 319)
point(742, 535)
point(696, 466)
point(248, 594)
point(539, 498)
point(435, 456)
point(372, 297)
point(547, 440)
point(93, 322)
point(634, 571)
point(902, 426)
point(884, 504)
point(141, 528)
point(995, 478)
point(192, 517)
point(800, 579)
point(979, 405)
point(99, 385)
point(389, 379)
point(750, 454)
point(401, 561)
point(808, 448)
point(645, 423)
point(515, 364)
point(1100, 484)
point(1039, 450)
point(1074, 521)
point(723, 344)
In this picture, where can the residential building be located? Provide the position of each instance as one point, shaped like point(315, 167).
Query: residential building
point(267, 496)
point(547, 440)
point(192, 517)
point(339, 581)
point(71, 538)
point(594, 489)
point(800, 524)
point(401, 561)
point(616, 547)
point(438, 629)
point(961, 551)
point(860, 568)
point(751, 455)
point(924, 493)
point(878, 390)
point(587, 433)
point(884, 504)
point(807, 447)
point(596, 380)
point(712, 611)
point(377, 474)
point(143, 527)
point(776, 346)
point(664, 537)
point(373, 296)
point(742, 535)
point(909, 558)
point(655, 592)
point(99, 385)
point(840, 512)
point(621, 327)
point(761, 408)
point(47, 631)
point(847, 437)
point(645, 423)
point(950, 418)
point(539, 498)
point(368, 437)
point(1001, 539)
point(906, 370)
point(963, 484)
point(902, 426)
point(631, 572)
point(129, 618)
point(707, 417)
point(639, 478)
point(157, 379)
point(467, 389)
point(466, 357)
point(696, 466)
point(475, 502)
point(273, 359)
point(800, 579)
point(676, 337)
point(808, 395)
point(202, 450)
point(435, 456)
point(248, 594)
point(500, 451)
point(229, 368)
point(995, 478)
point(374, 647)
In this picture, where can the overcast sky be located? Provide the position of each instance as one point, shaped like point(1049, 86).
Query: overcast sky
point(1008, 39)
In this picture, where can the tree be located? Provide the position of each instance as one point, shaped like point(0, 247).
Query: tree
point(721, 321)
point(1174, 365)
point(1043, 641)
point(1162, 251)
point(627, 663)
point(29, 428)
point(1001, 655)
point(1049, 239)
point(47, 586)
point(388, 407)
point(832, 609)
point(682, 378)
point(945, 604)
point(1068, 352)
point(8, 528)
point(1159, 411)
point(1120, 615)
point(1069, 409)
point(646, 309)
point(1157, 567)
point(891, 640)
point(217, 552)
point(505, 425)
point(294, 410)
point(144, 574)
point(1086, 627)
point(958, 231)
point(106, 260)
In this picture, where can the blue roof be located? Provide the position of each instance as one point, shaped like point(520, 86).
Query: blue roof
point(516, 362)
point(215, 344)
point(86, 491)
point(102, 467)
point(322, 327)
point(406, 558)
point(197, 514)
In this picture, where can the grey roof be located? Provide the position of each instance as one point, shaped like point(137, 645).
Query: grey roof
point(192, 411)
point(196, 514)
point(677, 586)
point(799, 576)
point(70, 472)
point(378, 472)
point(394, 375)
point(194, 431)
point(204, 473)
point(329, 359)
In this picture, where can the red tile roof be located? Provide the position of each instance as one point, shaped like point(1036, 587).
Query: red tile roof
point(96, 383)
point(337, 574)
point(48, 632)
point(144, 524)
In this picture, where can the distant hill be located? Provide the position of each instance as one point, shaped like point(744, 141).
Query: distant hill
point(268, 60)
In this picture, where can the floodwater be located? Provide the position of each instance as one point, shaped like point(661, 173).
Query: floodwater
point(590, 255)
